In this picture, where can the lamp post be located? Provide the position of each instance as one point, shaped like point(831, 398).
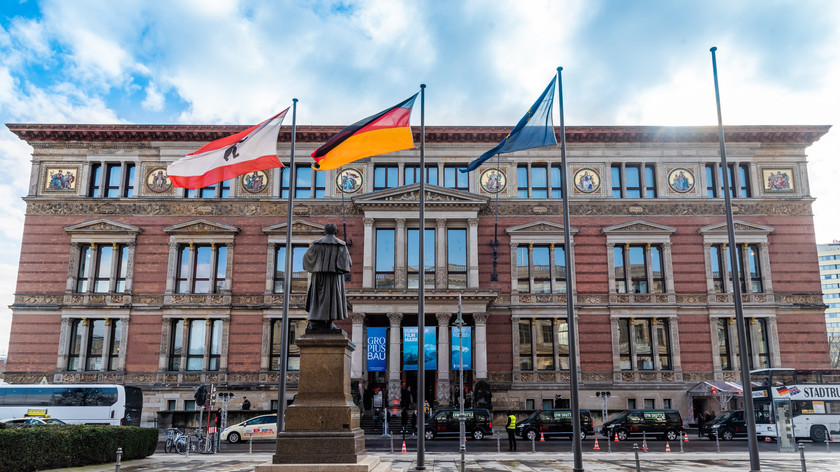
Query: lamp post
point(459, 322)
point(604, 396)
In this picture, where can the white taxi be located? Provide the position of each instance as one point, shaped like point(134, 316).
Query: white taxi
point(258, 427)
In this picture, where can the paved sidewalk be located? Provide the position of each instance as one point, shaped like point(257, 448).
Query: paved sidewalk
point(501, 462)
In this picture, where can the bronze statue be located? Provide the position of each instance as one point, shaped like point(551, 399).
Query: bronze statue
point(327, 259)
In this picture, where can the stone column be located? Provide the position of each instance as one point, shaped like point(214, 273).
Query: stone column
point(394, 342)
point(443, 358)
point(480, 345)
point(472, 253)
point(440, 254)
point(356, 360)
point(400, 244)
point(367, 258)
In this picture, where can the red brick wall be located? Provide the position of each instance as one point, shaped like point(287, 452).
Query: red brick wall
point(33, 345)
point(144, 336)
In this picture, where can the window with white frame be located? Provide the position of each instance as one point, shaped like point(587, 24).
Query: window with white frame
point(455, 179)
point(539, 181)
point(739, 187)
point(200, 256)
point(101, 256)
point(385, 276)
point(644, 344)
point(300, 277)
point(411, 174)
point(752, 257)
point(385, 176)
point(413, 266)
point(759, 343)
point(639, 254)
point(309, 183)
point(633, 180)
point(112, 180)
point(94, 344)
point(195, 344)
point(456, 258)
point(539, 257)
point(543, 344)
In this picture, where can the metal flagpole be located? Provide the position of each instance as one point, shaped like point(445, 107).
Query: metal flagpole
point(421, 293)
point(749, 413)
point(570, 305)
point(287, 283)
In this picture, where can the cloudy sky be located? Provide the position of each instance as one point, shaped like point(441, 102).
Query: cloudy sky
point(640, 62)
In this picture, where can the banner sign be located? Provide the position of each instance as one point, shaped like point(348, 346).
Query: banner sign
point(410, 354)
point(377, 347)
point(466, 341)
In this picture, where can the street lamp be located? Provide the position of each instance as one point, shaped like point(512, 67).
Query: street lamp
point(459, 322)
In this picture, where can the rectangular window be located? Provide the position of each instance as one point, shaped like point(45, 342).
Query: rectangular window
point(649, 403)
point(128, 185)
point(522, 181)
point(116, 338)
point(638, 268)
point(537, 341)
point(523, 269)
point(215, 344)
point(96, 342)
point(170, 405)
point(716, 260)
point(202, 268)
point(723, 344)
point(539, 182)
point(220, 190)
point(545, 344)
point(618, 270)
point(384, 277)
point(631, 403)
point(642, 344)
point(102, 279)
point(634, 181)
point(196, 344)
point(650, 181)
point(563, 343)
point(666, 403)
point(385, 177)
point(526, 361)
point(749, 274)
point(711, 181)
point(542, 270)
point(559, 269)
point(615, 174)
point(198, 349)
point(176, 344)
point(296, 329)
point(413, 258)
point(731, 181)
point(453, 178)
point(753, 268)
point(636, 344)
point(75, 345)
point(763, 343)
point(556, 182)
point(95, 332)
point(303, 182)
point(95, 180)
point(456, 258)
point(663, 343)
point(411, 174)
point(300, 278)
point(744, 180)
point(112, 180)
point(103, 267)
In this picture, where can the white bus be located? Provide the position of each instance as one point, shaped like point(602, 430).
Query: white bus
point(806, 402)
point(74, 404)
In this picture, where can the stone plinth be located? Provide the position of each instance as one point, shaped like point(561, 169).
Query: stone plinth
point(322, 429)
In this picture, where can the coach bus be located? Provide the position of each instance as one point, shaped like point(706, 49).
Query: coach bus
point(804, 404)
point(73, 403)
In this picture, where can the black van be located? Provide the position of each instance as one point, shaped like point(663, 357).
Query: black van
point(665, 424)
point(479, 423)
point(554, 423)
point(729, 424)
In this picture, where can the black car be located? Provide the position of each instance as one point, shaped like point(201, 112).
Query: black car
point(479, 423)
point(554, 423)
point(729, 425)
point(665, 424)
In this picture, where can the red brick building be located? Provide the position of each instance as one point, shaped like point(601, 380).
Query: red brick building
point(126, 279)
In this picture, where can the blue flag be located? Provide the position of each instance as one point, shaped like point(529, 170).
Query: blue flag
point(535, 129)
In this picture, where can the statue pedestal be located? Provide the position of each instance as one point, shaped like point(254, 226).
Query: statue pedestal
point(322, 431)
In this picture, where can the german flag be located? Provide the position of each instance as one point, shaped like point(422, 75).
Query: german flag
point(384, 132)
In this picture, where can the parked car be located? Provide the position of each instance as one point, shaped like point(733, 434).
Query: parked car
point(664, 424)
point(554, 423)
point(729, 425)
point(258, 427)
point(33, 420)
point(479, 423)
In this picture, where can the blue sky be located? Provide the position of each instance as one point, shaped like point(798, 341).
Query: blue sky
point(484, 62)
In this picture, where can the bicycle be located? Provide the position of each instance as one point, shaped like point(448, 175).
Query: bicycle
point(171, 434)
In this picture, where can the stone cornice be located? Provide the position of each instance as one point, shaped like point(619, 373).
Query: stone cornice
point(803, 134)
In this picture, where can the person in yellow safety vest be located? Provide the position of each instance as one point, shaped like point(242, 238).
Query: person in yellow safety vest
point(511, 430)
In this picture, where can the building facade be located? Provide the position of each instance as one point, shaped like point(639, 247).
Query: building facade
point(124, 278)
point(829, 257)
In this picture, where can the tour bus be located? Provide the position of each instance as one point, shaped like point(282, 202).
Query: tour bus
point(804, 402)
point(73, 403)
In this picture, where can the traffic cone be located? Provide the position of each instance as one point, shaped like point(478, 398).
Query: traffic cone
point(403, 448)
point(667, 447)
point(644, 446)
point(596, 448)
point(542, 438)
point(616, 437)
point(686, 437)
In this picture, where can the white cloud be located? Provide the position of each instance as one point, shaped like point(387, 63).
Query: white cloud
point(154, 99)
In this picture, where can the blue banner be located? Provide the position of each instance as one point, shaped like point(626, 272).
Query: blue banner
point(377, 348)
point(466, 342)
point(410, 354)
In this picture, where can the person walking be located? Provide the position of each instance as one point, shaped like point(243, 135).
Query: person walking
point(246, 405)
point(511, 431)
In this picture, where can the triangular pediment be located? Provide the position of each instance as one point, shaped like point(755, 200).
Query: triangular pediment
point(540, 227)
point(409, 195)
point(300, 227)
point(201, 226)
point(102, 225)
point(639, 227)
point(741, 226)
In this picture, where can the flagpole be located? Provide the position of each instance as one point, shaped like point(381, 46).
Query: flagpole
point(287, 283)
point(749, 413)
point(570, 305)
point(421, 294)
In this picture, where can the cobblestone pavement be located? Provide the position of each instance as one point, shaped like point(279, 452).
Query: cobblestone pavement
point(501, 462)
